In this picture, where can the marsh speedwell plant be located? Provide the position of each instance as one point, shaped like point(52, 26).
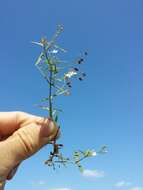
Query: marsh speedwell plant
point(59, 75)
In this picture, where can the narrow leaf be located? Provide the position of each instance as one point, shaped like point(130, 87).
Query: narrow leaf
point(44, 100)
point(37, 43)
point(44, 107)
point(56, 118)
point(39, 59)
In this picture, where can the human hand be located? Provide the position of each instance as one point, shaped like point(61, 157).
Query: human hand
point(21, 135)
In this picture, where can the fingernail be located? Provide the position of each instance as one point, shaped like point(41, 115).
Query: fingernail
point(48, 129)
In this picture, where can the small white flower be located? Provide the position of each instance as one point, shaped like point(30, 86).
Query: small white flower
point(90, 153)
point(54, 51)
point(70, 74)
point(94, 153)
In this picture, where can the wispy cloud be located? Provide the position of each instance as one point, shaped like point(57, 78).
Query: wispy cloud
point(93, 173)
point(136, 188)
point(43, 183)
point(122, 183)
point(38, 183)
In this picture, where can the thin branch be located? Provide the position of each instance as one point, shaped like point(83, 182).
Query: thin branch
point(76, 162)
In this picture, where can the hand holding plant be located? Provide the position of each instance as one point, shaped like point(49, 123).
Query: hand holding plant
point(23, 134)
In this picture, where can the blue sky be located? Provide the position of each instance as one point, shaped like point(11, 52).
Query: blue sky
point(106, 109)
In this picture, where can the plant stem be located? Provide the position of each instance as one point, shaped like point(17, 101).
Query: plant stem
point(50, 84)
point(50, 94)
point(80, 159)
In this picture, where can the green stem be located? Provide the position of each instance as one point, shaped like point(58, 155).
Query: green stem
point(50, 95)
point(50, 85)
point(80, 159)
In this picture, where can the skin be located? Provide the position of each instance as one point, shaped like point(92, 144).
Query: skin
point(21, 135)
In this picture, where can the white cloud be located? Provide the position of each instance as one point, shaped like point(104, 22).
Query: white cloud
point(121, 184)
point(93, 173)
point(38, 183)
point(136, 188)
point(42, 183)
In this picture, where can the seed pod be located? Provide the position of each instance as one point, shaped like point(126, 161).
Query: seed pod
point(76, 69)
point(68, 83)
point(80, 78)
point(80, 60)
point(84, 74)
point(61, 145)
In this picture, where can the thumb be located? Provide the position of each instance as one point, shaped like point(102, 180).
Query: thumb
point(23, 143)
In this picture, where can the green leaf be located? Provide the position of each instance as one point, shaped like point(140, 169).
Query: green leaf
point(76, 154)
point(87, 153)
point(39, 59)
point(54, 95)
point(56, 118)
point(37, 43)
point(53, 68)
point(44, 107)
point(47, 61)
point(44, 100)
point(59, 79)
point(62, 92)
point(81, 169)
point(60, 110)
